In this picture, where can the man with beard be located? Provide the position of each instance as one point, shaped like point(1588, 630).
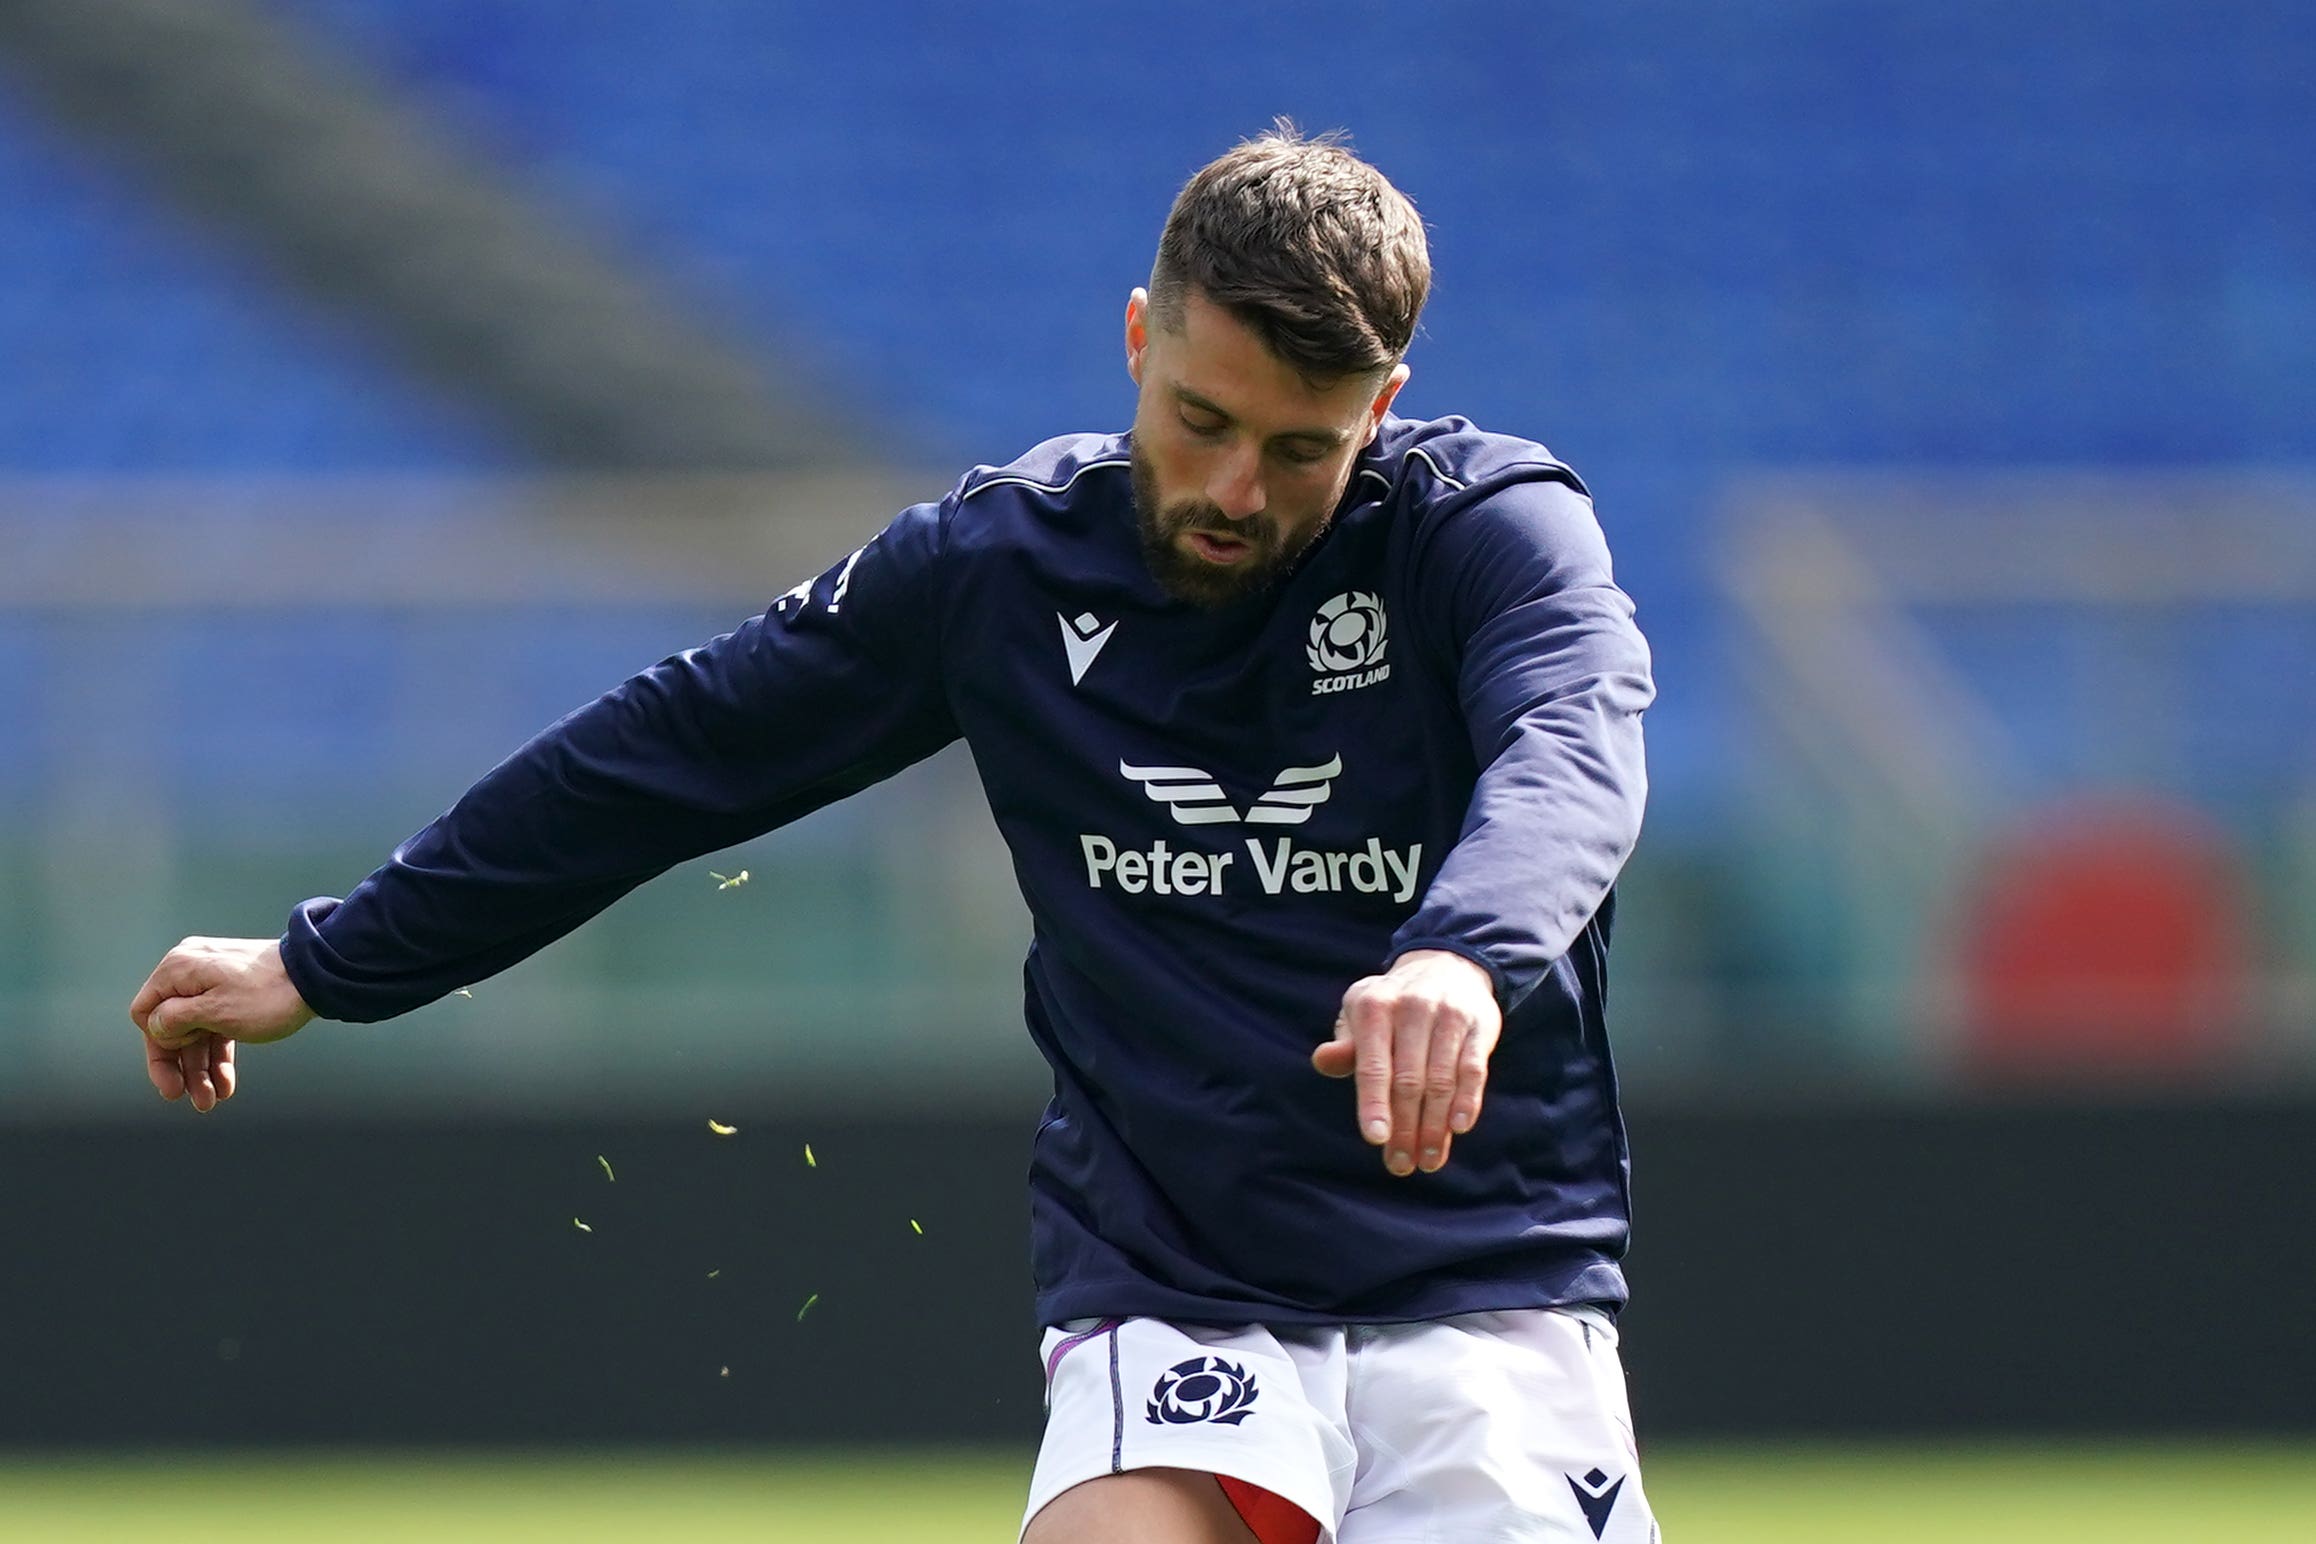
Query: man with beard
point(1315, 733)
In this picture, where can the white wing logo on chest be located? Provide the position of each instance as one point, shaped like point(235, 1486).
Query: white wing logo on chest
point(1194, 798)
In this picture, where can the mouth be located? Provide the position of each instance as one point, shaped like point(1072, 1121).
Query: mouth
point(1214, 547)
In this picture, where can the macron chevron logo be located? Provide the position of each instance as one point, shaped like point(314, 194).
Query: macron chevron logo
point(1082, 640)
point(1194, 798)
point(1596, 1496)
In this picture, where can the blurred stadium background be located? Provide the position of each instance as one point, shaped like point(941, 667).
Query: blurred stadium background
point(380, 379)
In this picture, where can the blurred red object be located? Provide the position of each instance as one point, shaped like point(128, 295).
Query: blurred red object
point(2109, 937)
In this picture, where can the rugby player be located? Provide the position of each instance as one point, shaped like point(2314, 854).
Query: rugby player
point(1315, 733)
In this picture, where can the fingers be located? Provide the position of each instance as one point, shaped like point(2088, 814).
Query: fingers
point(166, 1006)
point(200, 1087)
point(236, 987)
point(1417, 1039)
point(201, 1070)
point(161, 1067)
point(1382, 1037)
point(1411, 1036)
point(174, 976)
point(1337, 1058)
point(179, 1022)
point(1471, 1075)
point(182, 1058)
point(1443, 1051)
point(1369, 1021)
point(203, 994)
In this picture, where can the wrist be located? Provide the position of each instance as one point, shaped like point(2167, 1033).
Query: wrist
point(1447, 955)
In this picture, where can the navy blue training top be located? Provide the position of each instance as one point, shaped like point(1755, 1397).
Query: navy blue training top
point(1427, 735)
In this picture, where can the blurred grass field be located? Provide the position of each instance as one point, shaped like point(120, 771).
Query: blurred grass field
point(2117, 1494)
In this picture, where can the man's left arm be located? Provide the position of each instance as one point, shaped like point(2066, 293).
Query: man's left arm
point(1553, 676)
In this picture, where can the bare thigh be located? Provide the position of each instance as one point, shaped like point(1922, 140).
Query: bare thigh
point(1141, 1506)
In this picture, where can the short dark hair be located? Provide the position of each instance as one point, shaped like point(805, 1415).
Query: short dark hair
point(1304, 242)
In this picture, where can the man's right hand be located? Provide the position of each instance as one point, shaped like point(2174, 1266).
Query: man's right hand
point(206, 994)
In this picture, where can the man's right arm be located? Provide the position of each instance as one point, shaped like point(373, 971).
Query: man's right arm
point(835, 687)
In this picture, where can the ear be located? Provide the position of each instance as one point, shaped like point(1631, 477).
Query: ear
point(1382, 403)
point(1137, 332)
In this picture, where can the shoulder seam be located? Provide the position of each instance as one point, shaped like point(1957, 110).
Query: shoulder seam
point(1545, 462)
point(1418, 450)
point(1042, 487)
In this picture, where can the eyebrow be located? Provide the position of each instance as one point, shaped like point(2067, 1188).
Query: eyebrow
point(1325, 438)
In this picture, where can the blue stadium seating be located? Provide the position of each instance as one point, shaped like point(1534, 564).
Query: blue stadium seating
point(134, 339)
point(1699, 230)
point(1675, 240)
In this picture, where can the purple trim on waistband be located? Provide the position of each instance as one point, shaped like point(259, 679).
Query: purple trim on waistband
point(1054, 1361)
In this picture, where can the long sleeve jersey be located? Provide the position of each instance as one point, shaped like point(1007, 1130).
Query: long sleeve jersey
point(1426, 735)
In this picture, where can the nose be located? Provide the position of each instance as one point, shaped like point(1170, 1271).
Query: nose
point(1236, 486)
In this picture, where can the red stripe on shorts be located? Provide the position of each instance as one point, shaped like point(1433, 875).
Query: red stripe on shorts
point(1274, 1519)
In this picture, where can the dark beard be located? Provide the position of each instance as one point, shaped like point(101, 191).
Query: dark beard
point(1193, 580)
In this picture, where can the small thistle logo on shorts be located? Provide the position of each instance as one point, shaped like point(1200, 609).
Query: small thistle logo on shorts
point(1205, 1388)
point(1348, 637)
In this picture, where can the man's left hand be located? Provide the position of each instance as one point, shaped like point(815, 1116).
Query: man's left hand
point(1418, 1038)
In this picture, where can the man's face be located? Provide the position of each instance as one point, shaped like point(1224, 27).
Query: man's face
point(1238, 462)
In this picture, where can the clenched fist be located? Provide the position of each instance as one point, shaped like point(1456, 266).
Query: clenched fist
point(206, 994)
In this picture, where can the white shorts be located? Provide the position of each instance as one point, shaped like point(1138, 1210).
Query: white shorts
point(1486, 1428)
